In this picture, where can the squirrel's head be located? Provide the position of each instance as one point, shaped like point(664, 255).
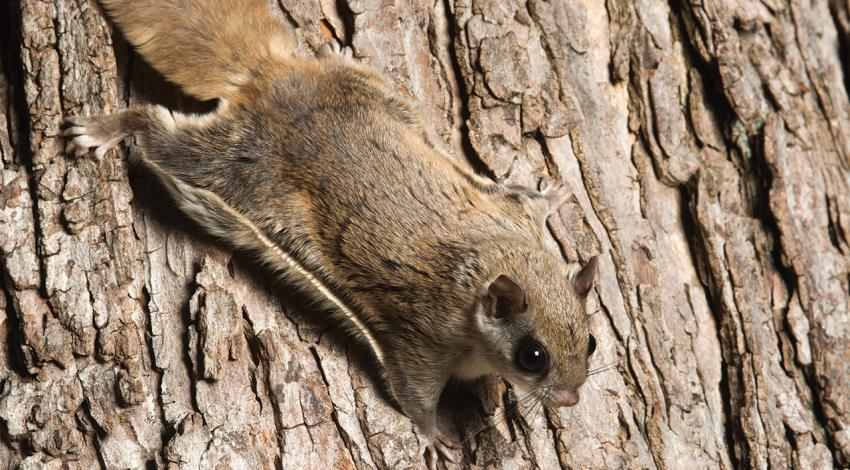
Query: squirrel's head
point(533, 325)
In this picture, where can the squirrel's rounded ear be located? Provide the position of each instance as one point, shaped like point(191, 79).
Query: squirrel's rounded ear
point(504, 298)
point(582, 279)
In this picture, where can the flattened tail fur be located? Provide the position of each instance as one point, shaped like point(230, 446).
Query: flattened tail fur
point(210, 48)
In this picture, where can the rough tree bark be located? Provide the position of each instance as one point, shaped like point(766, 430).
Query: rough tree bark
point(706, 143)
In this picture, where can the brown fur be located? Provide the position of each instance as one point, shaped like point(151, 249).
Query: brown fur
point(327, 174)
point(210, 48)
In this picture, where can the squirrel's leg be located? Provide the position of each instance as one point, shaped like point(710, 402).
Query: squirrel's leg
point(163, 139)
point(436, 443)
point(191, 148)
point(104, 132)
point(417, 391)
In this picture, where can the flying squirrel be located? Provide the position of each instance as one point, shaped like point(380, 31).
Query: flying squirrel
point(318, 167)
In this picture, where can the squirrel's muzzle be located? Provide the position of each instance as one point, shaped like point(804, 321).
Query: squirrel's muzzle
point(564, 397)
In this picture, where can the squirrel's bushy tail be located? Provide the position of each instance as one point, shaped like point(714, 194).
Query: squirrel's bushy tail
point(209, 48)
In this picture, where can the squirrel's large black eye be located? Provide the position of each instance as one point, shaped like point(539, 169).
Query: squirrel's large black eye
point(531, 356)
point(591, 345)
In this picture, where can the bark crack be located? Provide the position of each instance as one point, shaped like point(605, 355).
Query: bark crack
point(346, 439)
point(361, 419)
point(467, 148)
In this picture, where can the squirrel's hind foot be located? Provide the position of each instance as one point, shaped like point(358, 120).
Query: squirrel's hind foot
point(100, 133)
point(332, 49)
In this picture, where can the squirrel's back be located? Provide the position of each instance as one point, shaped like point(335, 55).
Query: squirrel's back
point(210, 48)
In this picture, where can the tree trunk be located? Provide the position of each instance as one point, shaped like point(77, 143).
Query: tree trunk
point(707, 144)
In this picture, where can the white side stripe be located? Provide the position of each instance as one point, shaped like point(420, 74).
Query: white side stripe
point(292, 263)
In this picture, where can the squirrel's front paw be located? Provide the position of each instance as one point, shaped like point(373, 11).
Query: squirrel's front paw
point(436, 446)
point(100, 133)
point(333, 49)
point(557, 194)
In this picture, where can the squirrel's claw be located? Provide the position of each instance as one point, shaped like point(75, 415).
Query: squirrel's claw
point(557, 195)
point(91, 133)
point(333, 49)
point(440, 446)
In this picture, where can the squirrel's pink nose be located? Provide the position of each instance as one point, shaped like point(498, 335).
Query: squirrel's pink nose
point(565, 397)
